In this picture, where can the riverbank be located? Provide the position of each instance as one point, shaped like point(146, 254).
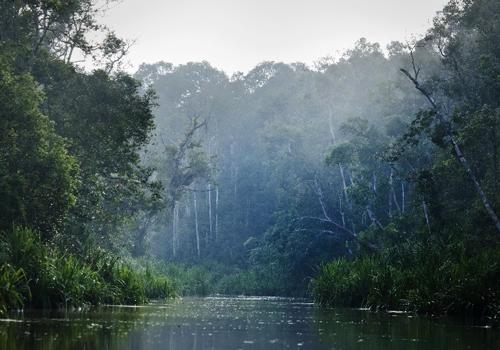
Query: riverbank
point(39, 275)
point(416, 278)
point(36, 274)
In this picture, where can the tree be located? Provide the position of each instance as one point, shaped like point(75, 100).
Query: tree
point(61, 29)
point(463, 36)
point(38, 177)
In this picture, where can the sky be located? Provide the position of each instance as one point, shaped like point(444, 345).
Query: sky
point(236, 35)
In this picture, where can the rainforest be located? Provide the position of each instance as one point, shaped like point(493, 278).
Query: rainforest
point(367, 183)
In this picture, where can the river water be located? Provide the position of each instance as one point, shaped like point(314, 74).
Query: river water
point(237, 323)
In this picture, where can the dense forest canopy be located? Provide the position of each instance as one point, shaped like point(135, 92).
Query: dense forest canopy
point(292, 166)
point(383, 159)
point(266, 138)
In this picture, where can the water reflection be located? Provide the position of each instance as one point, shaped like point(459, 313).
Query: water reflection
point(236, 323)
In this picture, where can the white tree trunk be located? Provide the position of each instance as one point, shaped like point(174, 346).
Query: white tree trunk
point(393, 192)
point(236, 184)
point(196, 224)
point(341, 207)
point(426, 215)
point(174, 229)
point(402, 196)
point(442, 118)
point(330, 125)
point(209, 199)
point(344, 184)
point(216, 211)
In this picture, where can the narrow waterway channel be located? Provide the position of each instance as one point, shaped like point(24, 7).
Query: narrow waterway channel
point(237, 323)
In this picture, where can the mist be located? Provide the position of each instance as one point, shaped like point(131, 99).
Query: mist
point(262, 174)
point(237, 35)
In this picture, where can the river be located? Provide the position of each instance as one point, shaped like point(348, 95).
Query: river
point(237, 323)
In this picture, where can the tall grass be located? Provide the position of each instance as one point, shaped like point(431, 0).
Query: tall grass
point(13, 288)
point(187, 280)
point(420, 279)
point(35, 274)
point(216, 278)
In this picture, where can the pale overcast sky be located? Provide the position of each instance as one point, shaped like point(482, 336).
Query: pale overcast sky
point(235, 35)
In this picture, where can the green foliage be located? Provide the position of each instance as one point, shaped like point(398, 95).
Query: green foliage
point(441, 255)
point(70, 141)
point(37, 175)
point(157, 286)
point(36, 275)
point(187, 280)
point(254, 282)
point(114, 188)
point(214, 278)
point(341, 153)
point(13, 288)
point(243, 283)
point(290, 167)
point(419, 278)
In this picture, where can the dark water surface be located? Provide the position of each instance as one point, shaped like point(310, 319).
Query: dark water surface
point(237, 323)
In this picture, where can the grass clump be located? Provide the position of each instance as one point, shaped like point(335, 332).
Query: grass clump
point(35, 274)
point(215, 278)
point(417, 278)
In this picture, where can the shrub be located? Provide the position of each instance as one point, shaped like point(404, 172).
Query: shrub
point(424, 280)
point(33, 274)
point(13, 288)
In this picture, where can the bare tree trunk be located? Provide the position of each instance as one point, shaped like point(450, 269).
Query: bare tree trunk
point(247, 214)
point(373, 218)
point(341, 207)
point(195, 342)
point(233, 169)
point(209, 194)
point(209, 199)
point(344, 184)
point(174, 229)
point(216, 211)
point(402, 197)
point(341, 168)
point(319, 192)
point(389, 204)
point(393, 192)
point(351, 178)
point(495, 165)
point(330, 125)
point(187, 211)
point(327, 220)
point(426, 215)
point(449, 137)
point(196, 224)
point(477, 185)
point(236, 184)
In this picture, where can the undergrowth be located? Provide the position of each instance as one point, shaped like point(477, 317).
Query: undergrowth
point(416, 278)
point(36, 274)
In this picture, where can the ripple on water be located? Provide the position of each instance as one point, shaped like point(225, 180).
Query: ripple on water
point(222, 322)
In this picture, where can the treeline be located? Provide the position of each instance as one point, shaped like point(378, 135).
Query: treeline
point(439, 251)
point(385, 154)
point(383, 161)
point(71, 180)
point(268, 196)
point(256, 146)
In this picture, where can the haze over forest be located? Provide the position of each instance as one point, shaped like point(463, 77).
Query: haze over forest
point(237, 35)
